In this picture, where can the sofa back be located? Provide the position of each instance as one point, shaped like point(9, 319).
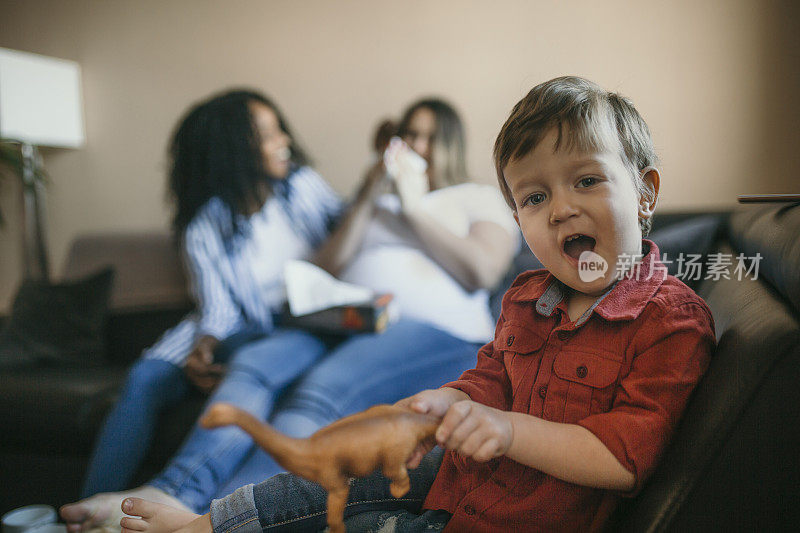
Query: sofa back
point(148, 269)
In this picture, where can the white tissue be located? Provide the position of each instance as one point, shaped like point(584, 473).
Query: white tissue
point(407, 169)
point(400, 159)
point(310, 289)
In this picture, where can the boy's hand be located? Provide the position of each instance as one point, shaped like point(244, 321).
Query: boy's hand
point(475, 430)
point(434, 402)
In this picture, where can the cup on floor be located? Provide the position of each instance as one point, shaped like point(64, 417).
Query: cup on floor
point(24, 519)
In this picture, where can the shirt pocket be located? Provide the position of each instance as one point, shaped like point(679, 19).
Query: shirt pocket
point(520, 347)
point(582, 384)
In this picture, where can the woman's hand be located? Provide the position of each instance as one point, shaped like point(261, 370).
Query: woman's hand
point(475, 430)
point(200, 367)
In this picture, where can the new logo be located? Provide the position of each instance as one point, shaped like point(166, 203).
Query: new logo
point(591, 266)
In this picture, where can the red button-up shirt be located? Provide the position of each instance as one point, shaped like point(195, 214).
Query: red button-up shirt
point(624, 371)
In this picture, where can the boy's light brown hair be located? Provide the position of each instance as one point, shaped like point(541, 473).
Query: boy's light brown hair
point(587, 117)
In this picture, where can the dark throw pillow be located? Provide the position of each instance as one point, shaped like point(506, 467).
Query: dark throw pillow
point(57, 324)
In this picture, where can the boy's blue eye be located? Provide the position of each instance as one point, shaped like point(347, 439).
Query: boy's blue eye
point(534, 199)
point(588, 181)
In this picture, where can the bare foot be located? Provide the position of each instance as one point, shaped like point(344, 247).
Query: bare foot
point(154, 517)
point(103, 510)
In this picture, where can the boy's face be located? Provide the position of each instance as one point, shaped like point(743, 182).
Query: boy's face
point(570, 201)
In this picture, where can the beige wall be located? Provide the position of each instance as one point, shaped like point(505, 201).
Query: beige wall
point(717, 81)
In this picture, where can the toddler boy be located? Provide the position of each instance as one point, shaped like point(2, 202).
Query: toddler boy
point(590, 370)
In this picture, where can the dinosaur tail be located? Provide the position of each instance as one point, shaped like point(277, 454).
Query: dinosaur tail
point(286, 450)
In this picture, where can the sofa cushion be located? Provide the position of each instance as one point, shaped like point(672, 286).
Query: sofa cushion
point(56, 409)
point(752, 480)
point(57, 324)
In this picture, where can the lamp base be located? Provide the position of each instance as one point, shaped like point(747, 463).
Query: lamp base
point(35, 261)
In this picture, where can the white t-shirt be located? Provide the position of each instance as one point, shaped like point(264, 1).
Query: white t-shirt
point(273, 243)
point(392, 259)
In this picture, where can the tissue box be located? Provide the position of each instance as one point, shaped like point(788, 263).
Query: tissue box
point(367, 317)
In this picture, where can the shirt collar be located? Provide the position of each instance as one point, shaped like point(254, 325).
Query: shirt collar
point(625, 300)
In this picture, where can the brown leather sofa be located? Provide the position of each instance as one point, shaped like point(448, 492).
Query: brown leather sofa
point(733, 464)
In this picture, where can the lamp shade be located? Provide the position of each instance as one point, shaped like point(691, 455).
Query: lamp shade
point(40, 100)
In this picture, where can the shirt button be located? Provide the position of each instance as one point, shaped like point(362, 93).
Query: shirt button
point(563, 335)
point(543, 391)
point(470, 510)
point(581, 371)
point(510, 340)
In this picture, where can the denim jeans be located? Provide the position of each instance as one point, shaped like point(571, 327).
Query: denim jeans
point(362, 371)
point(256, 375)
point(151, 387)
point(287, 503)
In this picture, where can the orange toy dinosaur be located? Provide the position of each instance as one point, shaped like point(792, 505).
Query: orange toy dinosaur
point(382, 437)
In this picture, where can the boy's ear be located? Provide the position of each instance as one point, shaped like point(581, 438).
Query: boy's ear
point(649, 197)
point(516, 218)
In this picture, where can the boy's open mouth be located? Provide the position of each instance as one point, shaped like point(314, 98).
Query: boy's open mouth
point(576, 244)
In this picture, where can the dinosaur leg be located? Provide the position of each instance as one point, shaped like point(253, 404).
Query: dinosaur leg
point(337, 498)
point(399, 476)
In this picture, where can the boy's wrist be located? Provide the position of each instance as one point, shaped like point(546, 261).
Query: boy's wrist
point(512, 422)
point(454, 395)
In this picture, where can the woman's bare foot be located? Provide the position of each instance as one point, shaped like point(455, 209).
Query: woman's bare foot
point(154, 517)
point(103, 510)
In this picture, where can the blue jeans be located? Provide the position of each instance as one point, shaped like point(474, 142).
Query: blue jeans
point(256, 375)
point(151, 387)
point(288, 503)
point(362, 371)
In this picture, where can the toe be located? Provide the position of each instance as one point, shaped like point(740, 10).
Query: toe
point(139, 507)
point(133, 524)
point(76, 513)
